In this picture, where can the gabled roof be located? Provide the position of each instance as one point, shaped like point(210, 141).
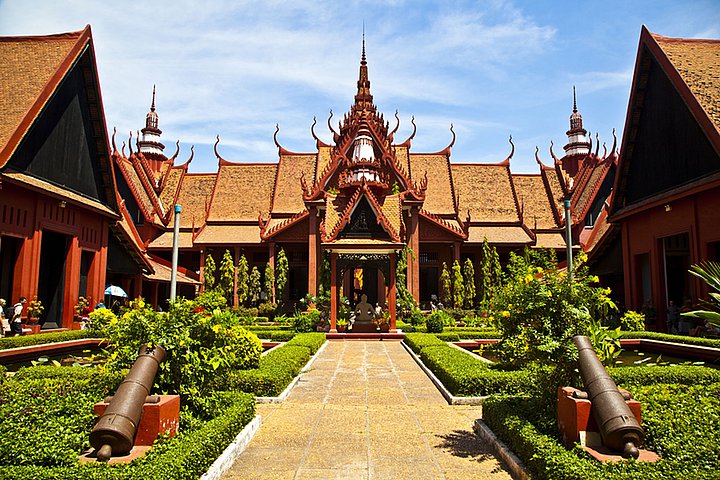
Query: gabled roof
point(485, 190)
point(440, 193)
point(287, 198)
point(242, 191)
point(194, 198)
point(535, 201)
point(691, 66)
point(31, 70)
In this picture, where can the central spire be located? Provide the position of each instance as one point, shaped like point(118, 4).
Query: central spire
point(363, 97)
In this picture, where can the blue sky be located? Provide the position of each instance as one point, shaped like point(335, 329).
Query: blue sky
point(491, 68)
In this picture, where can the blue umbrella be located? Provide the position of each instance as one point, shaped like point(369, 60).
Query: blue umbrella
point(115, 291)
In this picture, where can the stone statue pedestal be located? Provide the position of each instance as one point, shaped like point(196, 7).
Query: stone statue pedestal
point(364, 314)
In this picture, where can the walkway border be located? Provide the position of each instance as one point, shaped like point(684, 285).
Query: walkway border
point(226, 459)
point(281, 398)
point(511, 460)
point(451, 399)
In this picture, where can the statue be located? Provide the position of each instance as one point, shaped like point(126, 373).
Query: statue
point(364, 314)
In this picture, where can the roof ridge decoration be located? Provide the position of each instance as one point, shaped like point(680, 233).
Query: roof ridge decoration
point(137, 160)
point(512, 151)
point(318, 143)
point(120, 161)
point(266, 233)
point(408, 142)
point(518, 208)
point(438, 220)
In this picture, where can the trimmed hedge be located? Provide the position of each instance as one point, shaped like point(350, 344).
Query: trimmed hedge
point(687, 442)
point(185, 457)
point(269, 328)
point(676, 374)
point(665, 337)
point(40, 338)
point(278, 368)
point(461, 373)
point(275, 335)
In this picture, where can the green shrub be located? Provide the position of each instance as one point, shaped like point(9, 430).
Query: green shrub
point(99, 319)
point(211, 300)
point(418, 341)
point(677, 374)
point(267, 309)
point(525, 425)
point(47, 413)
point(448, 336)
point(40, 338)
point(313, 341)
point(185, 457)
point(632, 322)
point(417, 317)
point(306, 321)
point(436, 321)
point(666, 337)
point(199, 347)
point(244, 312)
point(280, 336)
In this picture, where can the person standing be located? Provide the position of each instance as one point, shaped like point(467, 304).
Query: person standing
point(3, 319)
point(16, 321)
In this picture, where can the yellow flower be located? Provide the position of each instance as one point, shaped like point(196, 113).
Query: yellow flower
point(528, 278)
point(505, 313)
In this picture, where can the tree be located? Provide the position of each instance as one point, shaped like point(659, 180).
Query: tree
point(490, 272)
point(227, 276)
point(281, 275)
point(254, 286)
point(405, 301)
point(458, 285)
point(445, 291)
point(209, 272)
point(269, 281)
point(242, 280)
point(469, 277)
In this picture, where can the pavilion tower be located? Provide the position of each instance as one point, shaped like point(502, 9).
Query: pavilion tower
point(150, 145)
point(578, 146)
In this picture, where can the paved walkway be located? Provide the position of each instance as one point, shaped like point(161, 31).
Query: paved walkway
point(366, 411)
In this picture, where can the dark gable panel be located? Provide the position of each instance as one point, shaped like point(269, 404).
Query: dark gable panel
point(363, 223)
point(670, 147)
point(60, 146)
point(119, 260)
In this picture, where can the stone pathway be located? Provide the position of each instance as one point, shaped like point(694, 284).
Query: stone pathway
point(366, 411)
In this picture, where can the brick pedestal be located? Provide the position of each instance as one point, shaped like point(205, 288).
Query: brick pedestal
point(157, 418)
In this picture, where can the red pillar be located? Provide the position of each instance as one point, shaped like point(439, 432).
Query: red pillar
point(154, 294)
point(312, 252)
point(27, 268)
point(333, 292)
point(391, 294)
point(137, 286)
point(72, 282)
point(382, 289)
point(456, 252)
point(413, 258)
point(98, 269)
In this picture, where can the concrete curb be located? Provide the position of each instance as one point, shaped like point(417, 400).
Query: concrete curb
point(514, 464)
point(281, 398)
point(227, 458)
point(451, 399)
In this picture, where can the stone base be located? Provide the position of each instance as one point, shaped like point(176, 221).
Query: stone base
point(363, 328)
point(397, 336)
point(157, 418)
point(137, 452)
point(604, 454)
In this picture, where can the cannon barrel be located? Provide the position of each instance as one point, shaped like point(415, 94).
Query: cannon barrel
point(619, 428)
point(115, 430)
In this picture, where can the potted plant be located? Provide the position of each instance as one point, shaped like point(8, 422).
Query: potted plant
point(34, 310)
point(341, 324)
point(383, 322)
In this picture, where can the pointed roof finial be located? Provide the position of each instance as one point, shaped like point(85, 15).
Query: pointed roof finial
point(363, 60)
point(152, 106)
point(574, 101)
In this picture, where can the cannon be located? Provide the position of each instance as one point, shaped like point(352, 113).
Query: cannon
point(114, 433)
point(619, 428)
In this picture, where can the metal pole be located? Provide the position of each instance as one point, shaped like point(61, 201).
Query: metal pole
point(568, 239)
point(176, 241)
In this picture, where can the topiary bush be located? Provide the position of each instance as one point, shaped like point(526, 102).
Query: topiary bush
point(436, 321)
point(632, 322)
point(211, 300)
point(306, 322)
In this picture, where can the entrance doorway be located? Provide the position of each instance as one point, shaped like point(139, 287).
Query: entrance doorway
point(9, 250)
point(676, 254)
point(365, 282)
point(51, 285)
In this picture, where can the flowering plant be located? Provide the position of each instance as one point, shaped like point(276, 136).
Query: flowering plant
point(35, 308)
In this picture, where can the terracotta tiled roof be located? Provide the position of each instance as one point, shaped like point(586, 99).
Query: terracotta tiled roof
point(334, 210)
point(698, 62)
point(27, 64)
point(323, 160)
point(163, 273)
point(242, 191)
point(439, 193)
point(556, 190)
point(228, 234)
point(402, 157)
point(582, 198)
point(534, 201)
point(170, 188)
point(47, 187)
point(486, 191)
point(165, 240)
point(288, 193)
point(141, 196)
point(550, 240)
point(510, 235)
point(194, 198)
point(391, 207)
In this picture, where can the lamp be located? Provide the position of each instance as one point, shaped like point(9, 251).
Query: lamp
point(668, 208)
point(63, 203)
